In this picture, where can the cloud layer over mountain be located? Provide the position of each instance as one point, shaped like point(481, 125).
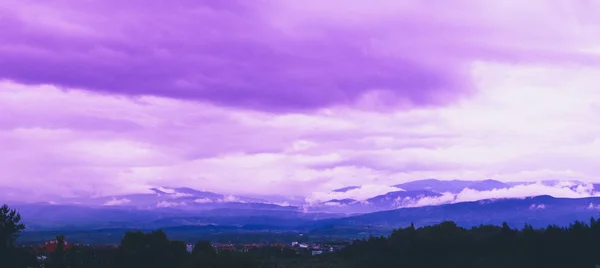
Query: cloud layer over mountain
point(393, 197)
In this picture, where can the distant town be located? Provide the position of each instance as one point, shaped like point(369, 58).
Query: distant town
point(43, 251)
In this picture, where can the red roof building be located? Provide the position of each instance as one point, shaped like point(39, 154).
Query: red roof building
point(50, 246)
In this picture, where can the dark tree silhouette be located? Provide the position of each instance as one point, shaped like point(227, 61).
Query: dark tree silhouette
point(448, 245)
point(10, 229)
point(139, 249)
point(58, 257)
point(203, 255)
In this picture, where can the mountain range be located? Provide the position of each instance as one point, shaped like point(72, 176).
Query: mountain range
point(419, 202)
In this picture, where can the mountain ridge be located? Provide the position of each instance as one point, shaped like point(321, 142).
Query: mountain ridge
point(347, 200)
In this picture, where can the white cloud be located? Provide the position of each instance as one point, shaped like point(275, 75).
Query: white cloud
point(203, 200)
point(566, 190)
point(524, 123)
point(521, 191)
point(592, 206)
point(360, 194)
point(537, 207)
point(168, 204)
point(117, 202)
point(446, 198)
point(230, 198)
point(333, 204)
point(283, 204)
point(179, 195)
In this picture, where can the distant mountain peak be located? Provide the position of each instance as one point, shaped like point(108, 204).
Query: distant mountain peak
point(346, 189)
point(158, 191)
point(452, 186)
point(489, 181)
point(341, 201)
point(542, 197)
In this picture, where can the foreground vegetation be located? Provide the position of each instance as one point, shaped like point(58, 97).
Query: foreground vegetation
point(441, 245)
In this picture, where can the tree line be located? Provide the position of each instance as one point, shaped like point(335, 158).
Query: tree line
point(489, 246)
point(137, 249)
point(440, 245)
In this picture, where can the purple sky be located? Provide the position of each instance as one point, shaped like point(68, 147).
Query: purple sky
point(295, 96)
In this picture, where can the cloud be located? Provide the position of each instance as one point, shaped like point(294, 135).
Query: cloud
point(117, 202)
point(333, 204)
point(230, 198)
point(446, 198)
point(492, 136)
point(537, 207)
point(592, 206)
point(168, 204)
point(203, 200)
point(356, 94)
point(283, 204)
point(289, 55)
point(561, 190)
point(520, 191)
point(179, 195)
point(359, 194)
